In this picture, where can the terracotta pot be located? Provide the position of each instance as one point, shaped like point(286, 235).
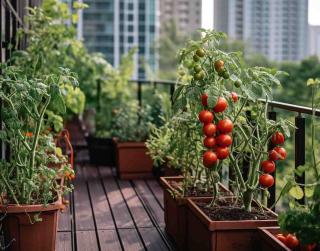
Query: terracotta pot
point(25, 236)
point(207, 235)
point(175, 212)
point(101, 151)
point(269, 242)
point(133, 161)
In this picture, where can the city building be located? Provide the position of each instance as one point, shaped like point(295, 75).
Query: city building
point(113, 27)
point(186, 14)
point(314, 40)
point(276, 28)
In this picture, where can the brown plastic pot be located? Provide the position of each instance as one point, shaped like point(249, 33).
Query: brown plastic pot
point(175, 211)
point(23, 235)
point(133, 161)
point(207, 235)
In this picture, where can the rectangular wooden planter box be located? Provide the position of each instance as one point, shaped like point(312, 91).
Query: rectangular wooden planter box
point(175, 213)
point(207, 235)
point(268, 240)
point(133, 161)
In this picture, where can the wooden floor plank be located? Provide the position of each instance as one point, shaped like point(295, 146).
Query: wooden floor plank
point(137, 210)
point(87, 241)
point(117, 204)
point(63, 242)
point(150, 201)
point(130, 240)
point(64, 220)
point(152, 239)
point(157, 190)
point(83, 212)
point(109, 240)
point(101, 209)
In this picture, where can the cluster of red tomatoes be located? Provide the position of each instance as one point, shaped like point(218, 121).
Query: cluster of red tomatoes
point(217, 136)
point(291, 241)
point(268, 166)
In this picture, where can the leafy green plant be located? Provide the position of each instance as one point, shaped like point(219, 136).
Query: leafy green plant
point(304, 220)
point(210, 79)
point(25, 176)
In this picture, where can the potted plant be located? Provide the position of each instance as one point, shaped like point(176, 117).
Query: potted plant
point(130, 130)
point(30, 195)
point(300, 225)
point(229, 136)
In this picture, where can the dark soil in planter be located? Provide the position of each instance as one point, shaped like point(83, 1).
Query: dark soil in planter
point(225, 210)
point(196, 192)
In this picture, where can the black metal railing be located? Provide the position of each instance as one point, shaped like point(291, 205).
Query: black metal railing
point(274, 107)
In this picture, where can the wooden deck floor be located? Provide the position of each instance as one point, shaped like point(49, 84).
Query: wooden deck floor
point(110, 214)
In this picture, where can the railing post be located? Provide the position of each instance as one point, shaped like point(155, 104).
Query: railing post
point(98, 95)
point(300, 150)
point(171, 91)
point(139, 92)
point(272, 190)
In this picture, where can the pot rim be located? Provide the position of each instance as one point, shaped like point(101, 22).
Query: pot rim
point(130, 144)
point(228, 225)
point(15, 209)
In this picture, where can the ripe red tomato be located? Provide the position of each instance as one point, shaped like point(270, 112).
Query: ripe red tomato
point(282, 153)
point(268, 166)
point(206, 117)
point(224, 140)
point(219, 65)
point(222, 152)
point(209, 142)
point(234, 97)
point(281, 238)
point(221, 105)
point(209, 129)
point(266, 180)
point(292, 241)
point(209, 159)
point(225, 126)
point(309, 247)
point(277, 138)
point(273, 155)
point(204, 99)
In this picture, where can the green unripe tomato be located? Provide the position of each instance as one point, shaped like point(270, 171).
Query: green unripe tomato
point(181, 73)
point(188, 63)
point(197, 68)
point(200, 52)
point(199, 76)
point(238, 83)
point(225, 74)
point(196, 58)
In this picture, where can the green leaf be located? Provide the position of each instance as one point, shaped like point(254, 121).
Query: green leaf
point(296, 192)
point(309, 191)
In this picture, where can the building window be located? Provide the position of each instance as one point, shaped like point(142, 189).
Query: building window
point(130, 39)
point(130, 6)
point(130, 17)
point(130, 28)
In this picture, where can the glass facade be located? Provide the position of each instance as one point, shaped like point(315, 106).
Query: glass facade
point(114, 27)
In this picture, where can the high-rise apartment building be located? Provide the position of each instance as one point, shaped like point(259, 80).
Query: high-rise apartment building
point(186, 14)
point(113, 27)
point(275, 28)
point(314, 40)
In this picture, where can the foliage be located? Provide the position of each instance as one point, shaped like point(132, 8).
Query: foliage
point(250, 135)
point(26, 177)
point(51, 45)
point(304, 220)
point(131, 122)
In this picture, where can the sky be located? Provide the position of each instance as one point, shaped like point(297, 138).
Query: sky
point(207, 13)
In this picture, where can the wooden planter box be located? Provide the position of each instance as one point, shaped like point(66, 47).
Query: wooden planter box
point(175, 212)
point(22, 234)
point(207, 235)
point(101, 151)
point(133, 161)
point(269, 242)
